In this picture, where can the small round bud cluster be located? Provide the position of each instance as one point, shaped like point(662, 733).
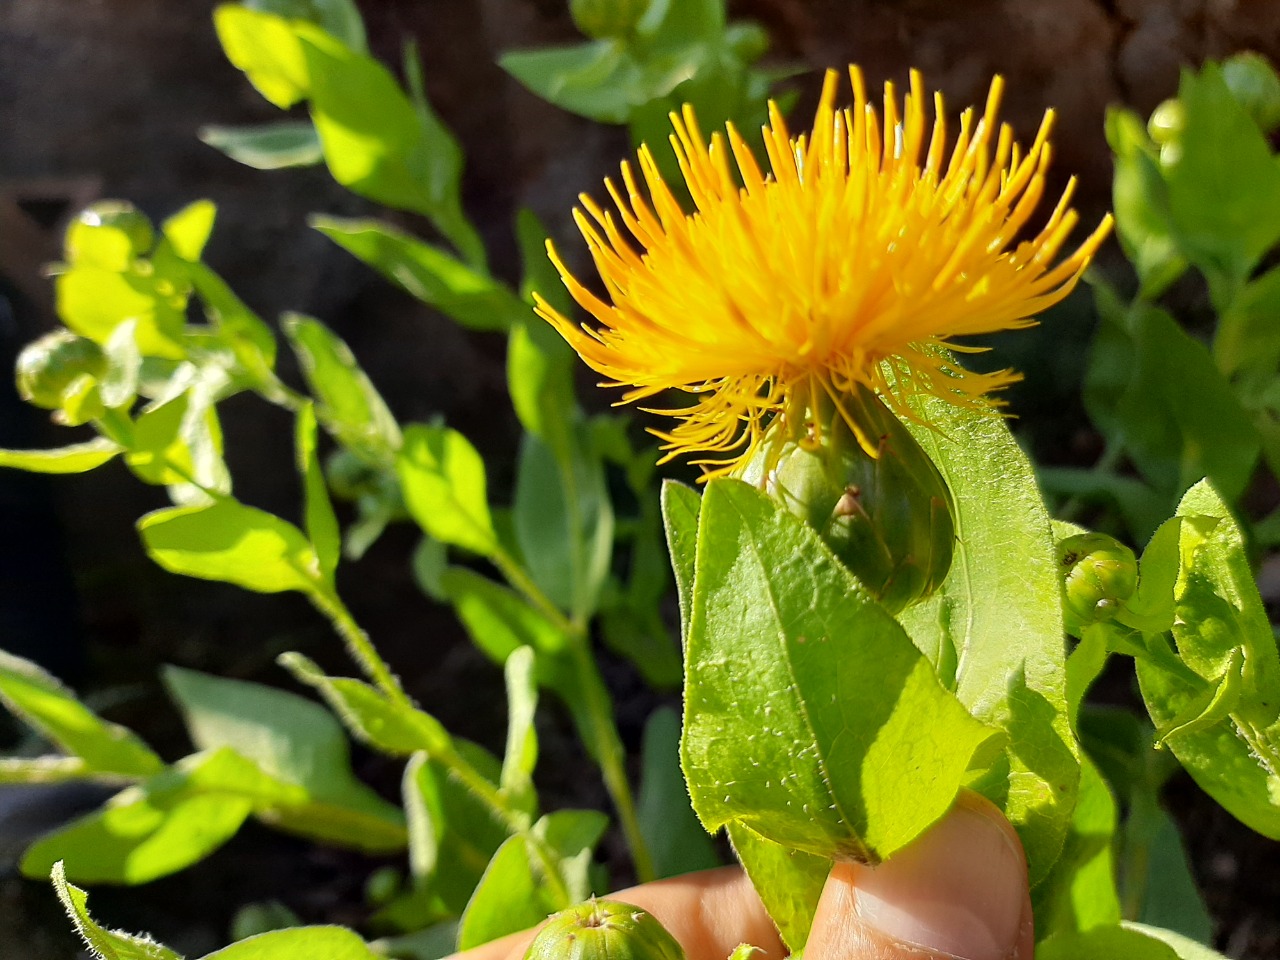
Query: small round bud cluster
point(1099, 575)
point(60, 371)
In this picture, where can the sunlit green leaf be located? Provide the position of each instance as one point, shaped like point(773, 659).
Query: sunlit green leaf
point(443, 481)
point(266, 47)
point(804, 699)
point(76, 458)
point(268, 146)
point(299, 943)
point(38, 698)
point(522, 739)
point(188, 230)
point(233, 543)
point(321, 522)
point(789, 881)
point(106, 944)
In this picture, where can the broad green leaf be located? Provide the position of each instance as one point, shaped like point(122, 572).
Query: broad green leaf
point(1247, 338)
point(994, 629)
point(76, 458)
point(105, 944)
point(681, 508)
point(509, 897)
point(262, 917)
point(789, 881)
point(572, 836)
point(371, 133)
point(348, 404)
point(1080, 892)
point(522, 739)
point(671, 830)
point(321, 522)
point(297, 742)
point(1224, 189)
point(598, 79)
point(43, 702)
point(92, 301)
point(1183, 948)
point(470, 296)
point(498, 619)
point(564, 518)
point(443, 481)
point(188, 230)
point(1170, 898)
point(267, 49)
point(805, 701)
point(299, 943)
point(267, 146)
point(179, 441)
point(368, 714)
point(108, 233)
point(452, 834)
point(233, 543)
point(1180, 419)
point(165, 824)
point(1230, 747)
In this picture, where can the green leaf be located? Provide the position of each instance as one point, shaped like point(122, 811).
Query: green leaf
point(348, 404)
point(1224, 189)
point(788, 881)
point(92, 301)
point(1080, 892)
point(1170, 897)
point(249, 339)
point(1180, 419)
point(471, 297)
point(299, 943)
point(509, 897)
point(294, 741)
point(452, 834)
point(75, 458)
point(232, 543)
point(1246, 338)
point(172, 820)
point(804, 699)
point(681, 510)
point(522, 739)
point(178, 442)
point(1183, 948)
point(671, 830)
point(563, 516)
point(106, 944)
point(1140, 196)
point(341, 18)
point(50, 708)
point(994, 629)
point(188, 230)
point(443, 481)
point(598, 79)
point(371, 717)
point(322, 523)
point(267, 49)
point(1105, 943)
point(1232, 748)
point(267, 146)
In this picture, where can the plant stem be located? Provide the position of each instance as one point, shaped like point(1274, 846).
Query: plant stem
point(600, 729)
point(516, 822)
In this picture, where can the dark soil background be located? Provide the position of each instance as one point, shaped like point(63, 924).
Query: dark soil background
point(102, 98)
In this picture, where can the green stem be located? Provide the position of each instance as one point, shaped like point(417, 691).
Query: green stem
point(516, 822)
point(602, 730)
point(359, 645)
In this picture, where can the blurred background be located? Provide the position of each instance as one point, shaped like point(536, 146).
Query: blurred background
point(104, 98)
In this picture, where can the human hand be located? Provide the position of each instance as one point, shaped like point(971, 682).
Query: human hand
point(959, 892)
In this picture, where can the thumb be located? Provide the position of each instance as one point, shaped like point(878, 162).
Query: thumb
point(957, 892)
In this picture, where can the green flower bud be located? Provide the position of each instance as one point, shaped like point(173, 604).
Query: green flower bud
point(604, 930)
point(887, 517)
point(602, 19)
point(1099, 575)
point(110, 234)
point(56, 366)
point(1167, 122)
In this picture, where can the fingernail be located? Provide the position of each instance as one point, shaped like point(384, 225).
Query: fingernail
point(958, 890)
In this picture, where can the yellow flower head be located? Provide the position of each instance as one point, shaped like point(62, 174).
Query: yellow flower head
point(855, 262)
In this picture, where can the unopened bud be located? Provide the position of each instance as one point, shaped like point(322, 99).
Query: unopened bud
point(58, 365)
point(603, 19)
point(885, 513)
point(1099, 575)
point(1254, 83)
point(110, 234)
point(604, 930)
